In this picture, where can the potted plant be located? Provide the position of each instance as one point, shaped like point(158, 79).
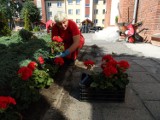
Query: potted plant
point(108, 84)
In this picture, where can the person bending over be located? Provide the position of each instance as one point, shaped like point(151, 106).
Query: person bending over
point(72, 38)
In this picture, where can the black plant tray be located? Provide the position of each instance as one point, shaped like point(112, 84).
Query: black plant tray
point(88, 93)
point(92, 94)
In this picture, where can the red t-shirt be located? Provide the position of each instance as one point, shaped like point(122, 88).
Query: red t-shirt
point(67, 35)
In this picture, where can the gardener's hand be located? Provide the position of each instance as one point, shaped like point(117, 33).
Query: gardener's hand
point(63, 54)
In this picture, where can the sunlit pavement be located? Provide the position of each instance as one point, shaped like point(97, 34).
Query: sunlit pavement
point(142, 100)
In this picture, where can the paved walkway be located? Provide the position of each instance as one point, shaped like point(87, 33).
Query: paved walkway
point(142, 100)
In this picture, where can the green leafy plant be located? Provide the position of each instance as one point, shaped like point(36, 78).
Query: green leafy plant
point(113, 74)
point(36, 74)
point(56, 45)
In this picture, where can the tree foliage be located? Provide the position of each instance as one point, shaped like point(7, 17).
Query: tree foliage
point(27, 23)
point(33, 11)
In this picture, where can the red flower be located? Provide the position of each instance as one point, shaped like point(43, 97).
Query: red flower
point(107, 58)
point(32, 65)
point(41, 60)
point(25, 73)
point(88, 63)
point(110, 70)
point(57, 39)
point(123, 64)
point(6, 101)
point(59, 61)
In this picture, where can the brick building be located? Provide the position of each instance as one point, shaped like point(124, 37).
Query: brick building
point(148, 11)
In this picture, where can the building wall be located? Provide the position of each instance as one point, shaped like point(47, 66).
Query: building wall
point(100, 16)
point(148, 11)
point(45, 10)
point(74, 6)
point(112, 10)
point(126, 8)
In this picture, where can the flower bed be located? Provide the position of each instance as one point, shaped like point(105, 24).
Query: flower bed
point(108, 84)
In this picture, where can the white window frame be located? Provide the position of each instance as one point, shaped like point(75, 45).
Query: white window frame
point(77, 2)
point(77, 20)
point(96, 1)
point(95, 11)
point(49, 4)
point(70, 11)
point(59, 4)
point(77, 11)
point(95, 21)
point(70, 2)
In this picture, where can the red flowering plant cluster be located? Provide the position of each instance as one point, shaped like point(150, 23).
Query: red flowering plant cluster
point(5, 102)
point(56, 45)
point(36, 73)
point(113, 73)
point(7, 108)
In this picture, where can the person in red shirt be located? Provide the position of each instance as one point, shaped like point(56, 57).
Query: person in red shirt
point(49, 25)
point(72, 38)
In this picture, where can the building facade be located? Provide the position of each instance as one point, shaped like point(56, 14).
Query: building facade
point(77, 10)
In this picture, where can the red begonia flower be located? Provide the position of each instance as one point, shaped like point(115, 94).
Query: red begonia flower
point(107, 58)
point(32, 65)
point(5, 101)
point(59, 61)
point(88, 63)
point(25, 73)
point(57, 39)
point(110, 70)
point(123, 64)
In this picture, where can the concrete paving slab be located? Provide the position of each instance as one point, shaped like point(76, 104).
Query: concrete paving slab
point(125, 114)
point(136, 68)
point(154, 107)
point(147, 91)
point(146, 62)
point(141, 77)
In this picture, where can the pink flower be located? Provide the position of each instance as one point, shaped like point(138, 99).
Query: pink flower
point(41, 60)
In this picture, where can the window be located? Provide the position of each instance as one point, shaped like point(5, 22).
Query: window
point(59, 4)
point(50, 14)
point(102, 21)
point(96, 11)
point(77, 20)
point(77, 1)
point(49, 4)
point(96, 1)
point(95, 21)
point(87, 15)
point(77, 11)
point(104, 11)
point(70, 11)
point(104, 1)
point(70, 1)
point(87, 5)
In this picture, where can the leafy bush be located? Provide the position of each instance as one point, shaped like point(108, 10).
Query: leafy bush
point(36, 29)
point(25, 34)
